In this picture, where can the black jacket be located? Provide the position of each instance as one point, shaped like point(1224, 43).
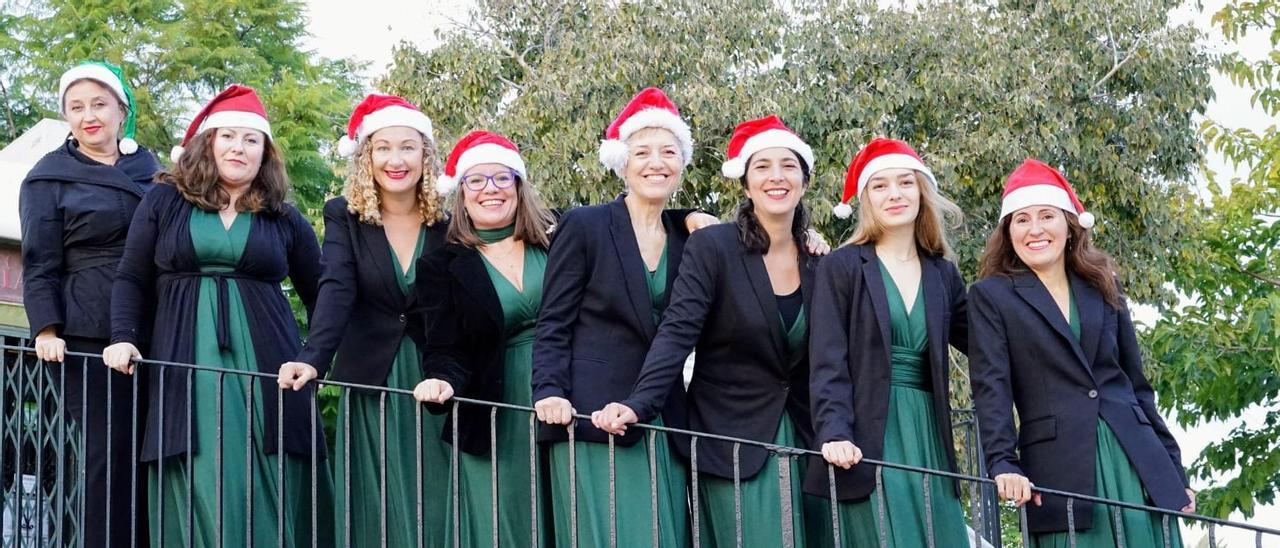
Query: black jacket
point(159, 277)
point(849, 357)
point(743, 380)
point(75, 215)
point(596, 322)
point(1024, 356)
point(361, 314)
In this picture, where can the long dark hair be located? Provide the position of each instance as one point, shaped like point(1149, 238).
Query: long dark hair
point(196, 176)
point(753, 236)
point(1096, 267)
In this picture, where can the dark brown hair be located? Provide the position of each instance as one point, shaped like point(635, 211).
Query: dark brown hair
point(532, 218)
point(196, 176)
point(753, 236)
point(1096, 267)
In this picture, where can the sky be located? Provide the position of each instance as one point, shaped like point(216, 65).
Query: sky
point(371, 32)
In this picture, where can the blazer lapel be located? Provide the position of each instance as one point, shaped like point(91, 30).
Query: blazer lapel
point(374, 238)
point(763, 289)
point(1031, 290)
point(808, 265)
point(934, 309)
point(1090, 307)
point(633, 267)
point(879, 299)
point(468, 268)
point(675, 250)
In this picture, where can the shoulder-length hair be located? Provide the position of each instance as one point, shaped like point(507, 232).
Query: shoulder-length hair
point(364, 197)
point(1096, 267)
point(753, 236)
point(196, 177)
point(533, 219)
point(936, 215)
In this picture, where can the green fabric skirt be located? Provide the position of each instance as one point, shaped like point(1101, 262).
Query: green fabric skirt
point(761, 503)
point(359, 455)
point(910, 437)
point(254, 500)
point(1116, 479)
point(633, 493)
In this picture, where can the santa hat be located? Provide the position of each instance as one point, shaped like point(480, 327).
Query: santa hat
point(479, 147)
point(112, 77)
point(1035, 183)
point(649, 108)
point(752, 136)
point(880, 154)
point(236, 106)
point(380, 111)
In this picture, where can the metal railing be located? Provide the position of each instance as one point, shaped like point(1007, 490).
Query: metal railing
point(43, 474)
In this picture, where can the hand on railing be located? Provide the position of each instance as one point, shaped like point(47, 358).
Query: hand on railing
point(433, 391)
point(841, 453)
point(1017, 488)
point(554, 410)
point(614, 418)
point(120, 356)
point(49, 346)
point(296, 375)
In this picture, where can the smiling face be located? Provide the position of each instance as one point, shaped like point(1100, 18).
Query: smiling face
point(94, 113)
point(1038, 235)
point(892, 196)
point(238, 153)
point(654, 164)
point(396, 154)
point(775, 182)
point(490, 207)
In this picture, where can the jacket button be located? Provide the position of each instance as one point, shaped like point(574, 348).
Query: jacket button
point(786, 386)
point(402, 318)
point(1093, 394)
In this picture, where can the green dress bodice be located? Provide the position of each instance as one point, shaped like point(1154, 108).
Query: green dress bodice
point(908, 334)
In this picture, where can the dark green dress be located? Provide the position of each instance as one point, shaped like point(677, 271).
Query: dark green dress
point(1115, 479)
point(632, 474)
point(251, 476)
point(359, 451)
point(910, 437)
point(475, 472)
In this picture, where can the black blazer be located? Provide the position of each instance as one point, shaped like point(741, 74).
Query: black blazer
point(1023, 355)
point(361, 312)
point(849, 357)
point(596, 321)
point(743, 381)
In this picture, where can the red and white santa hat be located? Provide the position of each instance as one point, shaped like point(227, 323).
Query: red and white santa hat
point(878, 155)
point(649, 108)
point(381, 111)
point(1036, 183)
point(479, 147)
point(752, 136)
point(236, 106)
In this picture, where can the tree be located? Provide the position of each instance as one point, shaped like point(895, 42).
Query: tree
point(1220, 349)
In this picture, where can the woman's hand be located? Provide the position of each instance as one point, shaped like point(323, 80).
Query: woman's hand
point(120, 356)
point(1016, 488)
point(614, 418)
point(433, 391)
point(697, 220)
point(296, 375)
point(816, 244)
point(841, 453)
point(49, 346)
point(554, 410)
point(1191, 507)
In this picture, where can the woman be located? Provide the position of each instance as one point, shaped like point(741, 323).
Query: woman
point(740, 298)
point(1050, 336)
point(886, 306)
point(206, 253)
point(368, 314)
point(75, 206)
point(481, 294)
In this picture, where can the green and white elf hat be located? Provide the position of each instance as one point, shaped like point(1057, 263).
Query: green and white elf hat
point(112, 77)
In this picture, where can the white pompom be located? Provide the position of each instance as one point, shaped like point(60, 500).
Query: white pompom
point(176, 153)
point(843, 210)
point(346, 147)
point(613, 154)
point(734, 168)
point(445, 184)
point(128, 146)
point(1087, 220)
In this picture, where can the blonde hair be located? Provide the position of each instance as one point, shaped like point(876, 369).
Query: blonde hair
point(365, 200)
point(936, 214)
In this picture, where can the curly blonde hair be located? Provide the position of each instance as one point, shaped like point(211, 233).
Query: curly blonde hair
point(364, 199)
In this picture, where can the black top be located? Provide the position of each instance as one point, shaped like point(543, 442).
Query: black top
point(789, 306)
point(75, 215)
point(1023, 356)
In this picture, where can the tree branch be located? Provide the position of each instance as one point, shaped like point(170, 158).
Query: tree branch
point(1117, 65)
point(8, 111)
point(1263, 279)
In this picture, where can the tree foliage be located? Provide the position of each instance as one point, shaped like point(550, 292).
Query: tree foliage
point(1221, 348)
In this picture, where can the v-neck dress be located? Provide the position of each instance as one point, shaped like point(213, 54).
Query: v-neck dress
point(632, 475)
point(1115, 479)
point(359, 452)
point(910, 437)
point(512, 467)
point(232, 452)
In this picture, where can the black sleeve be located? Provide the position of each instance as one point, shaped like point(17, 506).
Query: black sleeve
point(830, 383)
point(304, 261)
point(445, 348)
point(563, 285)
point(691, 300)
point(135, 277)
point(41, 221)
point(989, 376)
point(1131, 363)
point(337, 293)
point(959, 336)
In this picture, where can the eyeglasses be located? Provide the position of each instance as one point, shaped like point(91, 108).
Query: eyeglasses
point(478, 181)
